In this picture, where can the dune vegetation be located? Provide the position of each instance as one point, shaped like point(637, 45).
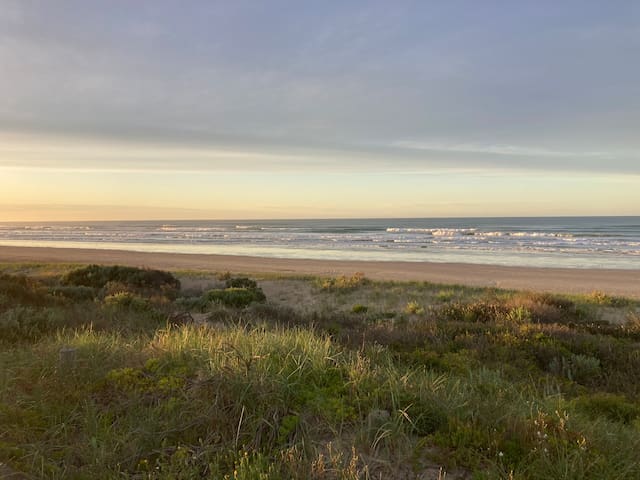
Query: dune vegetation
point(118, 372)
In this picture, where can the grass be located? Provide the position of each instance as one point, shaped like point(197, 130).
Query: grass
point(351, 383)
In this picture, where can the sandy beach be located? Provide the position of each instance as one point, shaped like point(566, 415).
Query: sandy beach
point(556, 280)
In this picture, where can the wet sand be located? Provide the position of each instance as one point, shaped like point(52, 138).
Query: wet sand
point(556, 280)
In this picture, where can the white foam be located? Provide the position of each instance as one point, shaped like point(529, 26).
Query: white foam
point(437, 232)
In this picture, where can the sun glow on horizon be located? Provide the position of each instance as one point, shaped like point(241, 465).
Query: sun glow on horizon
point(60, 191)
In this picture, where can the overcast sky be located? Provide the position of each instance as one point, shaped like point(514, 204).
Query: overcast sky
point(170, 109)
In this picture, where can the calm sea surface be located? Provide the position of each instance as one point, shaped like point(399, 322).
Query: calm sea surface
point(584, 242)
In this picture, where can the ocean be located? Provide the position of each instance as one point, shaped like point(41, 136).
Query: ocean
point(578, 242)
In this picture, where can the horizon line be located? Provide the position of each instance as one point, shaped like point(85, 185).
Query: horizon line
point(299, 219)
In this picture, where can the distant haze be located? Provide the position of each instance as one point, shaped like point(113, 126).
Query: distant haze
point(157, 109)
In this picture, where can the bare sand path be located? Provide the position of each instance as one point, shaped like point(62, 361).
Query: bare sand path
point(557, 280)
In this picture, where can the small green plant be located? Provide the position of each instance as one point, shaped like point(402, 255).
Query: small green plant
point(426, 417)
point(359, 308)
point(223, 276)
point(344, 283)
point(235, 297)
point(287, 429)
point(127, 301)
point(579, 368)
point(518, 315)
point(445, 295)
point(253, 466)
point(586, 368)
point(413, 308)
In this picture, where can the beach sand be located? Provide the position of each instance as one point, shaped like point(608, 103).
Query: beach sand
point(555, 280)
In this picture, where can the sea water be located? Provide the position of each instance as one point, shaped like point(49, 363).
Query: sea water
point(579, 242)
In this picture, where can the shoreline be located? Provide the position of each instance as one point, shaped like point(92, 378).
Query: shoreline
point(540, 279)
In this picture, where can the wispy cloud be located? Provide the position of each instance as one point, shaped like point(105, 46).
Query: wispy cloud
point(90, 155)
point(510, 150)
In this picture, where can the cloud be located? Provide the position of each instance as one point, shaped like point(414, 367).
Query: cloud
point(511, 150)
point(20, 152)
point(378, 87)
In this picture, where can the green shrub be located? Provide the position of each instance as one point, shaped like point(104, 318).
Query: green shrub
point(280, 314)
point(481, 311)
point(413, 308)
point(518, 315)
point(223, 276)
point(241, 282)
point(21, 290)
point(142, 280)
point(235, 297)
point(29, 323)
point(358, 308)
point(445, 295)
point(614, 407)
point(127, 301)
point(73, 293)
point(633, 322)
point(112, 288)
point(585, 368)
point(579, 368)
point(550, 300)
point(344, 282)
point(460, 362)
point(159, 377)
point(427, 417)
point(191, 303)
point(601, 298)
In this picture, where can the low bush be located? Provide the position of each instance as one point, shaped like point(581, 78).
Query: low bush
point(601, 298)
point(547, 308)
point(73, 293)
point(413, 308)
point(128, 301)
point(28, 324)
point(191, 304)
point(21, 290)
point(241, 282)
point(142, 280)
point(633, 322)
point(427, 417)
point(445, 296)
point(277, 314)
point(518, 315)
point(522, 308)
point(583, 369)
point(343, 282)
point(111, 288)
point(359, 308)
point(481, 311)
point(235, 297)
point(613, 407)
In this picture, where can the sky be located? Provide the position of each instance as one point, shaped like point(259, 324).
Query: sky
point(287, 109)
